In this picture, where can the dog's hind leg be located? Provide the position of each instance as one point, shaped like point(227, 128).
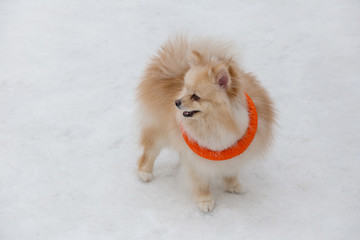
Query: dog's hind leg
point(150, 142)
point(232, 185)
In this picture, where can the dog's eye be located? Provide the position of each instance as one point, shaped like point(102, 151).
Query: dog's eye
point(195, 97)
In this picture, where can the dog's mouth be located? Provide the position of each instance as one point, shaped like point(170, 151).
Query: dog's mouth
point(189, 114)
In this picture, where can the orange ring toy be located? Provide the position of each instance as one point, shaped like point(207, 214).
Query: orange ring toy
point(238, 148)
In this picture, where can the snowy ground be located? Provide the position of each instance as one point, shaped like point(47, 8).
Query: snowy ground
point(68, 149)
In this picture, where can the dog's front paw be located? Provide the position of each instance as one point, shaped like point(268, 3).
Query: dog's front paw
point(206, 205)
point(145, 176)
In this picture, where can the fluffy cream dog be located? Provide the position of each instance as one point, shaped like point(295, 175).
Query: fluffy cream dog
point(195, 85)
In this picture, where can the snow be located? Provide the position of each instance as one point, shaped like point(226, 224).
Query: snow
point(68, 141)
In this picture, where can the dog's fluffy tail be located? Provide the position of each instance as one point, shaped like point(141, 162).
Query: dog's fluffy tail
point(172, 58)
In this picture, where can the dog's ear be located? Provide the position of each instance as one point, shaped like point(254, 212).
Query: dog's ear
point(195, 58)
point(223, 78)
point(221, 75)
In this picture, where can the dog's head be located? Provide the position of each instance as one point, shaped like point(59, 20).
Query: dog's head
point(209, 88)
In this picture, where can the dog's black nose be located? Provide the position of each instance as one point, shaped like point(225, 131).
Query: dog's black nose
point(178, 103)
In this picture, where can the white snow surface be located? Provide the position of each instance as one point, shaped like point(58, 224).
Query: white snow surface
point(68, 142)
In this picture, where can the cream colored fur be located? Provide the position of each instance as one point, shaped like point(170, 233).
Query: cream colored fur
point(185, 66)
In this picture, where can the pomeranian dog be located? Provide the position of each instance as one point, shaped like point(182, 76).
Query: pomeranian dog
point(195, 98)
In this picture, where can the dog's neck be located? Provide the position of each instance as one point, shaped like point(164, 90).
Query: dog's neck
point(214, 132)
